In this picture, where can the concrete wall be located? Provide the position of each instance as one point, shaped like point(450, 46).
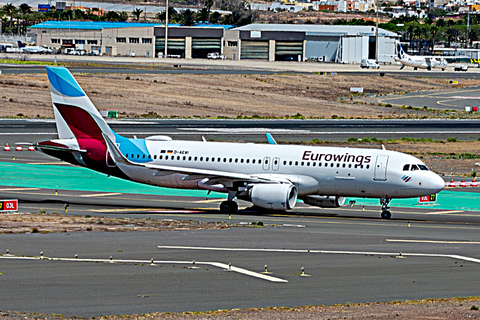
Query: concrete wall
point(104, 38)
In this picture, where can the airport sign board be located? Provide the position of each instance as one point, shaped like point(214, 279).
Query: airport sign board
point(8, 205)
point(430, 198)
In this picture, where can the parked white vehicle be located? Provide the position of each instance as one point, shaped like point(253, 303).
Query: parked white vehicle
point(216, 55)
point(369, 63)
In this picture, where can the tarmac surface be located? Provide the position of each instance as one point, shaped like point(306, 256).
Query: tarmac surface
point(208, 66)
point(33, 130)
point(455, 99)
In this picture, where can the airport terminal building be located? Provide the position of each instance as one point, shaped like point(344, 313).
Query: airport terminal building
point(269, 42)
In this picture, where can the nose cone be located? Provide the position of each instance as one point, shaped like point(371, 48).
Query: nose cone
point(436, 183)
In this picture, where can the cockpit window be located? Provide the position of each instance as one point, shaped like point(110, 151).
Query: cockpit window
point(406, 167)
point(423, 167)
point(414, 167)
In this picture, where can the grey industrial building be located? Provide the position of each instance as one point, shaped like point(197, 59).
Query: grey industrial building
point(270, 42)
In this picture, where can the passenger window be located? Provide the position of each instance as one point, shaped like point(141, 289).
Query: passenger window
point(241, 160)
point(414, 167)
point(423, 167)
point(155, 156)
point(248, 160)
point(178, 157)
point(206, 159)
point(189, 158)
point(290, 163)
point(314, 164)
point(284, 163)
point(195, 159)
point(201, 158)
point(161, 157)
point(236, 159)
point(224, 159)
point(338, 165)
point(331, 165)
point(259, 161)
point(368, 166)
point(230, 160)
point(308, 164)
point(406, 167)
point(253, 161)
point(302, 164)
point(213, 159)
point(296, 163)
point(349, 165)
point(184, 157)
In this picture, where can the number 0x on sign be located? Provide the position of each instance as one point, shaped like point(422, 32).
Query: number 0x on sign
point(8, 205)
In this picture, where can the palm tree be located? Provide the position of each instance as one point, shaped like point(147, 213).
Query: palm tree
point(10, 10)
point(137, 13)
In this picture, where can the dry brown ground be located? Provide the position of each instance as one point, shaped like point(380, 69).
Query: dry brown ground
point(180, 95)
point(46, 223)
point(449, 309)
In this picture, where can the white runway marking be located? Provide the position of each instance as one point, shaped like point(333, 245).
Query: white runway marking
point(443, 212)
point(100, 195)
point(403, 254)
point(147, 262)
point(433, 241)
point(18, 189)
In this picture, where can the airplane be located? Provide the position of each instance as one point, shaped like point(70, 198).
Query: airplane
point(33, 49)
point(422, 62)
point(270, 176)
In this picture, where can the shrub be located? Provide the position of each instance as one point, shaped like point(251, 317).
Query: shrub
point(451, 139)
point(34, 230)
point(260, 223)
point(352, 139)
point(474, 307)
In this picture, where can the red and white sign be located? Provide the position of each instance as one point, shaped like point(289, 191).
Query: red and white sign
point(8, 205)
point(429, 198)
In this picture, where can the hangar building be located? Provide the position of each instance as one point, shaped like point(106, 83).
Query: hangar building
point(270, 42)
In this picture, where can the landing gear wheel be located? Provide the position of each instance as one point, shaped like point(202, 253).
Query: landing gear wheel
point(415, 68)
point(228, 207)
point(386, 215)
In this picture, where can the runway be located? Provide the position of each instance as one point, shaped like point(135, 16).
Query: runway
point(29, 130)
point(349, 254)
point(370, 268)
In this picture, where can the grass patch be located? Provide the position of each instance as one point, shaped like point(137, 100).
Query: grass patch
point(40, 63)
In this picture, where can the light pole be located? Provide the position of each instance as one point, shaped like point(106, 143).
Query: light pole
point(166, 28)
point(468, 26)
point(376, 33)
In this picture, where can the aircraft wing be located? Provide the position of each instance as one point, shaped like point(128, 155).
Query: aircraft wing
point(193, 173)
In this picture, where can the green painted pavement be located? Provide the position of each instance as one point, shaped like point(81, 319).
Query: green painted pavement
point(82, 179)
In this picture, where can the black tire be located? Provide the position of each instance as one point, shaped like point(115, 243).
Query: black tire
point(415, 68)
point(228, 207)
point(386, 215)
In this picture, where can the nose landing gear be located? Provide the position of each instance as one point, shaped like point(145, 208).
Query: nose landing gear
point(385, 213)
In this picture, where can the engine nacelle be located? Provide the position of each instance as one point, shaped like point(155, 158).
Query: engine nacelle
point(324, 201)
point(274, 196)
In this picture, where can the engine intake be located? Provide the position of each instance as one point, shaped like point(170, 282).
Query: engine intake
point(324, 201)
point(274, 196)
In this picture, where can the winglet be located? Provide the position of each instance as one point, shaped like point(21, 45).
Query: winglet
point(270, 138)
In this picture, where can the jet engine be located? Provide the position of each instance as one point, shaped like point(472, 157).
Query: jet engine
point(273, 196)
point(324, 201)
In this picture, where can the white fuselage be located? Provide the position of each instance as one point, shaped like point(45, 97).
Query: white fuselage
point(359, 172)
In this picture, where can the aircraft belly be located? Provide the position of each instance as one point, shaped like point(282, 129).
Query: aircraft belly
point(345, 185)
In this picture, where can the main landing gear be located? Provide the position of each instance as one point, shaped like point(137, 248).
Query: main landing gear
point(385, 213)
point(229, 207)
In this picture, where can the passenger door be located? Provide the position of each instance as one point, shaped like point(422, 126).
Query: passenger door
point(380, 173)
point(266, 163)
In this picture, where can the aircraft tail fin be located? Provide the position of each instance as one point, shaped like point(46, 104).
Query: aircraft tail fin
point(75, 115)
point(20, 44)
point(400, 53)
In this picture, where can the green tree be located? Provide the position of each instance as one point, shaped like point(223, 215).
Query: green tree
point(9, 9)
point(188, 17)
point(137, 12)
